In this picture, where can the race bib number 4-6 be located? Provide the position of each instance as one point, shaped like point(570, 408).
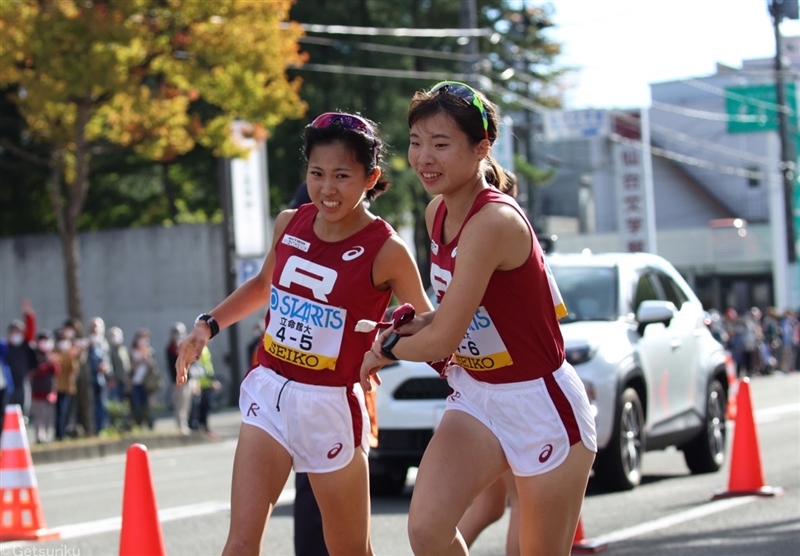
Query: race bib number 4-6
point(481, 348)
point(304, 332)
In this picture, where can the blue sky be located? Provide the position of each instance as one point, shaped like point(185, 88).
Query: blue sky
point(620, 46)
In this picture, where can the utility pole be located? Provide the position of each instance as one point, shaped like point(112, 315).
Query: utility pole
point(232, 358)
point(787, 147)
point(468, 19)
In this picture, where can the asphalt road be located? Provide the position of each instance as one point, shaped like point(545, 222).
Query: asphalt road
point(671, 513)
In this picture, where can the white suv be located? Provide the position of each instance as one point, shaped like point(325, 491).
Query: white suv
point(636, 335)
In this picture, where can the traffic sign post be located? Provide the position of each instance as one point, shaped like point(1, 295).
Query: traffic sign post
point(755, 109)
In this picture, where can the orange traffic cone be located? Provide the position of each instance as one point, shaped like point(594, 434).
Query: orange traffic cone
point(141, 530)
point(747, 477)
point(22, 518)
point(582, 546)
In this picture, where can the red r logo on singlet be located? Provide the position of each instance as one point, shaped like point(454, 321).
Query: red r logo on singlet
point(335, 450)
point(252, 409)
point(547, 451)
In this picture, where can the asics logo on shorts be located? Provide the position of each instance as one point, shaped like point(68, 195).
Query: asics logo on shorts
point(252, 409)
point(546, 452)
point(454, 396)
point(354, 253)
point(333, 452)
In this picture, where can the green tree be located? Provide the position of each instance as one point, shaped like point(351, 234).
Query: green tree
point(155, 76)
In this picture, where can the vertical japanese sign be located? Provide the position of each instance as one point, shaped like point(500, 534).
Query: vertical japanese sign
point(249, 194)
point(633, 176)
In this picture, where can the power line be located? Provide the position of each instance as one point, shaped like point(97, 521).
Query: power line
point(691, 160)
point(719, 91)
point(711, 146)
point(705, 114)
point(379, 72)
point(375, 47)
point(389, 31)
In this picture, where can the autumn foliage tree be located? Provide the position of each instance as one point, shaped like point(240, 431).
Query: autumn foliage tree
point(156, 76)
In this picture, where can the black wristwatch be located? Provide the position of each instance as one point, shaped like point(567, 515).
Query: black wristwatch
point(388, 345)
point(212, 323)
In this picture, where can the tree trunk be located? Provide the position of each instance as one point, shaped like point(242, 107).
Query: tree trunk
point(71, 253)
point(69, 213)
point(169, 191)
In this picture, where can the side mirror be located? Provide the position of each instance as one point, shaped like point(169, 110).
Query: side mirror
point(653, 311)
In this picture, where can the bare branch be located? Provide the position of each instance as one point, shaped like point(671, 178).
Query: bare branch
point(22, 153)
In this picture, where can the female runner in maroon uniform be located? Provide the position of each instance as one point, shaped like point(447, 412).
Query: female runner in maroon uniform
point(516, 402)
point(332, 263)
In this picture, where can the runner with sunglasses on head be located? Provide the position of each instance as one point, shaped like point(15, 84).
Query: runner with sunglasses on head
point(331, 264)
point(516, 403)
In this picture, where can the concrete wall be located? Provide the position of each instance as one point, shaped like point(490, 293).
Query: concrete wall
point(133, 278)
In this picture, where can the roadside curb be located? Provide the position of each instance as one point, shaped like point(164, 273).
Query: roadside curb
point(98, 448)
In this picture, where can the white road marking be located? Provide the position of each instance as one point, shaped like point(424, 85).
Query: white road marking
point(170, 514)
point(670, 520)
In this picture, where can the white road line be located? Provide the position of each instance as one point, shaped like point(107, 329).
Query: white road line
point(670, 520)
point(170, 514)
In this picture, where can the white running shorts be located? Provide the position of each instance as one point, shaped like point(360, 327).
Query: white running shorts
point(320, 426)
point(536, 421)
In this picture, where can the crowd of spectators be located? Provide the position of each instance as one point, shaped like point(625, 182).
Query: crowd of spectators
point(761, 342)
point(71, 383)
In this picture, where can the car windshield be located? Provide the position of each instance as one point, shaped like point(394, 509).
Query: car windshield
point(589, 292)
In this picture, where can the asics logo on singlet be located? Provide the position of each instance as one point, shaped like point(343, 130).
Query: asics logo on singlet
point(354, 253)
point(546, 452)
point(333, 452)
point(319, 279)
point(453, 254)
point(434, 247)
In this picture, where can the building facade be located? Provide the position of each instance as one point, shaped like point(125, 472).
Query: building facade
point(714, 195)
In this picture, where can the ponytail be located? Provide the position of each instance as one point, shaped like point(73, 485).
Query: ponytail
point(494, 173)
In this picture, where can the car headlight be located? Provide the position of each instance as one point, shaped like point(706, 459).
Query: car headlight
point(580, 354)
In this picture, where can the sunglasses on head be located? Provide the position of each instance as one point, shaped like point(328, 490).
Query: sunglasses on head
point(466, 93)
point(347, 121)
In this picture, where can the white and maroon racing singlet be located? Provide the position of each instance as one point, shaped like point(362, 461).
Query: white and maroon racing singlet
point(514, 335)
point(320, 290)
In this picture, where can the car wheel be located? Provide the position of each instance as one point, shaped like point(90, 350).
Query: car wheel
point(619, 465)
point(389, 482)
point(706, 453)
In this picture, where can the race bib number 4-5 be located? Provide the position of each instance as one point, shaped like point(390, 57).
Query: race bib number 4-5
point(481, 348)
point(304, 332)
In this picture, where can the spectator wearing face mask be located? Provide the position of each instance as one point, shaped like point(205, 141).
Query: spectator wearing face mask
point(21, 357)
point(66, 381)
point(43, 387)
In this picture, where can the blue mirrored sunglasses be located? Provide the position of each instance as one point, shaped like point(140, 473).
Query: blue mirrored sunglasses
point(464, 92)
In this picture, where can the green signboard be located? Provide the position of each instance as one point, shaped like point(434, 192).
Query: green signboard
point(753, 108)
